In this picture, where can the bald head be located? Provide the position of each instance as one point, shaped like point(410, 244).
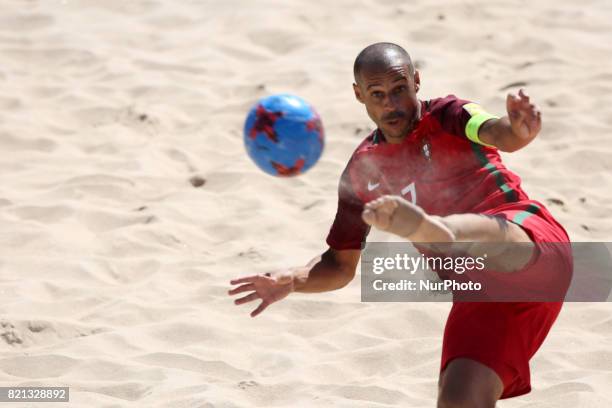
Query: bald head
point(387, 84)
point(379, 57)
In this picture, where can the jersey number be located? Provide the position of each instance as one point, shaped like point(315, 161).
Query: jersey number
point(410, 189)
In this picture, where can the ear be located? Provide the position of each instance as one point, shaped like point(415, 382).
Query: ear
point(417, 81)
point(357, 91)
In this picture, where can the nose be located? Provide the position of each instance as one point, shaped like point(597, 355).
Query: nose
point(391, 104)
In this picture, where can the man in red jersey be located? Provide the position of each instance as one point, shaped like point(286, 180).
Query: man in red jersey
point(431, 172)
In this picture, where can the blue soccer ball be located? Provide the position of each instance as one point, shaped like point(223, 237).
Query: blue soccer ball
point(283, 135)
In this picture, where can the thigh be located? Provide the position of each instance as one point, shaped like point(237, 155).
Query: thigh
point(469, 383)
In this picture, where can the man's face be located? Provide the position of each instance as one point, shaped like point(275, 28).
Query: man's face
point(390, 99)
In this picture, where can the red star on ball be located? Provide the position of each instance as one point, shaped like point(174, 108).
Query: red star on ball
point(264, 123)
point(315, 124)
point(289, 171)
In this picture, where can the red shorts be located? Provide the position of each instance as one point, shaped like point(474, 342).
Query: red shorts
point(505, 335)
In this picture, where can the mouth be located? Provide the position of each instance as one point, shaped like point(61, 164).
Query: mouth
point(394, 122)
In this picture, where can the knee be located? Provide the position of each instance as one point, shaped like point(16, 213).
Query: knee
point(470, 384)
point(454, 397)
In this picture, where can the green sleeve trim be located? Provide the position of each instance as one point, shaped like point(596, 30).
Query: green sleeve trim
point(474, 124)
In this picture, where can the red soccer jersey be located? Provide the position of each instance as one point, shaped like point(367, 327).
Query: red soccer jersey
point(435, 167)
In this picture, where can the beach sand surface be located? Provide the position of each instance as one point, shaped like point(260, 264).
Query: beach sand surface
point(127, 201)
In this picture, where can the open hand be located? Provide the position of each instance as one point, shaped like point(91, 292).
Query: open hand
point(525, 117)
point(269, 287)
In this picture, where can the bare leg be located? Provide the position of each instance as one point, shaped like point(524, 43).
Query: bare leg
point(483, 235)
point(400, 217)
point(470, 384)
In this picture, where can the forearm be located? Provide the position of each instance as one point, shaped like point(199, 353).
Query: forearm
point(499, 133)
point(322, 274)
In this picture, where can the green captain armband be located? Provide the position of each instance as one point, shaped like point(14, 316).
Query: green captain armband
point(478, 117)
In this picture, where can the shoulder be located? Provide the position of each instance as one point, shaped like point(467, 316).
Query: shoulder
point(450, 112)
point(366, 144)
point(440, 106)
point(351, 172)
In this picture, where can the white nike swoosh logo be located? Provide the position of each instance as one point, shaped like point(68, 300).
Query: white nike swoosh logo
point(372, 186)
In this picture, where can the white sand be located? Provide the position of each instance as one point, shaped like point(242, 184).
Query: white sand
point(114, 269)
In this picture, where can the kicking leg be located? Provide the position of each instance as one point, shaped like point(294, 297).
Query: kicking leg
point(466, 383)
point(400, 217)
point(482, 234)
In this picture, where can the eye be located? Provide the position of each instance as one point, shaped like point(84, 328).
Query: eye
point(377, 94)
point(400, 89)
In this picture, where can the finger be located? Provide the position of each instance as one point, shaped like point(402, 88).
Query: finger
point(536, 127)
point(375, 203)
point(244, 279)
point(536, 121)
point(373, 206)
point(240, 289)
point(247, 298)
point(386, 201)
point(516, 110)
point(519, 116)
point(262, 306)
point(525, 105)
point(381, 216)
point(523, 101)
point(512, 103)
point(531, 112)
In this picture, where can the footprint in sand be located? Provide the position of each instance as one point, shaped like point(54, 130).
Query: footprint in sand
point(247, 384)
point(180, 157)
point(9, 334)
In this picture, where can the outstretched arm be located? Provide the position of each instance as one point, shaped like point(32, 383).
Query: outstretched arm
point(515, 131)
point(332, 270)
